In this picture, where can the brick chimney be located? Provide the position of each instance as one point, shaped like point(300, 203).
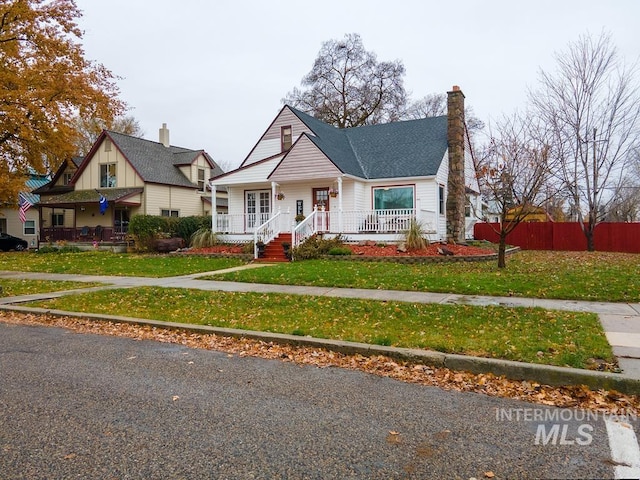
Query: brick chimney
point(456, 197)
point(164, 135)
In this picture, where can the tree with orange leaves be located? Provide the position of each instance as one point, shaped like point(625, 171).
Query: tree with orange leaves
point(45, 83)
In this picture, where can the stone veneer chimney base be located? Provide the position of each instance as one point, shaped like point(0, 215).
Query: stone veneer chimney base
point(456, 197)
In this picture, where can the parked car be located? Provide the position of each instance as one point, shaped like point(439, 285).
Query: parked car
point(9, 242)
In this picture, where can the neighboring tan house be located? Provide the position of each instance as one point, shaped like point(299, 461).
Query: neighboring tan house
point(135, 176)
point(365, 182)
point(10, 218)
point(530, 214)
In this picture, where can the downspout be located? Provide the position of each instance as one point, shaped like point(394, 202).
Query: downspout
point(214, 208)
point(340, 222)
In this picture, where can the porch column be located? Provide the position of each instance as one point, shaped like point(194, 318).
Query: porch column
point(214, 208)
point(340, 222)
point(274, 191)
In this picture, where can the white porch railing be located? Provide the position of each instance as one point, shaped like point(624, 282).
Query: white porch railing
point(305, 228)
point(239, 223)
point(270, 230)
point(390, 221)
point(376, 221)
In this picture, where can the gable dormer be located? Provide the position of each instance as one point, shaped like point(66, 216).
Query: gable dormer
point(283, 132)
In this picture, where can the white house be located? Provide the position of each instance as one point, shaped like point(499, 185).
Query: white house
point(364, 183)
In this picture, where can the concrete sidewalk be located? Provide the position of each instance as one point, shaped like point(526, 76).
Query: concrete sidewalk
point(621, 321)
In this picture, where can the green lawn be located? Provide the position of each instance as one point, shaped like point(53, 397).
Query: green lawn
point(596, 276)
point(528, 335)
point(107, 263)
point(14, 288)
point(521, 334)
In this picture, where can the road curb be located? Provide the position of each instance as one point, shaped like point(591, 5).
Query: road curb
point(543, 374)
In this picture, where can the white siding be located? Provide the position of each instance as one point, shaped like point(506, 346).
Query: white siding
point(236, 200)
point(300, 191)
point(361, 196)
point(257, 173)
point(470, 177)
point(349, 196)
point(264, 149)
point(442, 178)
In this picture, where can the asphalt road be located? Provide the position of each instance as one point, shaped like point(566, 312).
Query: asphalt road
point(89, 406)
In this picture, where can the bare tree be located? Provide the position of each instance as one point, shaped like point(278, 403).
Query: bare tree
point(348, 87)
point(591, 104)
point(432, 105)
point(513, 171)
point(435, 105)
point(625, 205)
point(88, 130)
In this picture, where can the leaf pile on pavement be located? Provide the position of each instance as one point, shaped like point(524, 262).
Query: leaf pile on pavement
point(580, 397)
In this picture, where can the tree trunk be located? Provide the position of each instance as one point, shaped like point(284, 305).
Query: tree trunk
point(502, 249)
point(591, 246)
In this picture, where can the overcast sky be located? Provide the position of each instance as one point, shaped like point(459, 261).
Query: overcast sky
point(216, 71)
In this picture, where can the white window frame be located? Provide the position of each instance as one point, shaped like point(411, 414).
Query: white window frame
point(32, 226)
point(258, 209)
point(110, 181)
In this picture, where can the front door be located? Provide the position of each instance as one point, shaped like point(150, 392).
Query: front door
point(257, 208)
point(321, 200)
point(121, 222)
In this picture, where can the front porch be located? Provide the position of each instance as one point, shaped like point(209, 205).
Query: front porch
point(78, 216)
point(354, 226)
point(85, 234)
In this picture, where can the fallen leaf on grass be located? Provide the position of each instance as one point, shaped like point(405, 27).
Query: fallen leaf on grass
point(487, 384)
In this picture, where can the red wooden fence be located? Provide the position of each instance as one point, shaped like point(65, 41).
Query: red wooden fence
point(608, 237)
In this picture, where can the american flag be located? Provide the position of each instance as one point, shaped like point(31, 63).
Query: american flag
point(24, 206)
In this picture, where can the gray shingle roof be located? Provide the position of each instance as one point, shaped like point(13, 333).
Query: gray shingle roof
point(154, 162)
point(410, 148)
